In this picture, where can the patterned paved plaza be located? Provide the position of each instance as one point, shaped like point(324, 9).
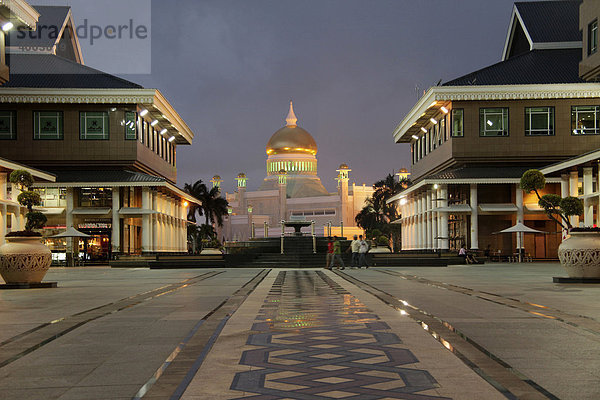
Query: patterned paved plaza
point(484, 332)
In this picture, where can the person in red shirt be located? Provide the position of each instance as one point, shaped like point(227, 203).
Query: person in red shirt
point(329, 252)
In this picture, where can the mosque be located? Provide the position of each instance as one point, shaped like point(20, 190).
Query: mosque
point(292, 190)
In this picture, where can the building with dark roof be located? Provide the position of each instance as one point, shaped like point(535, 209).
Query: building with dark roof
point(110, 143)
point(472, 137)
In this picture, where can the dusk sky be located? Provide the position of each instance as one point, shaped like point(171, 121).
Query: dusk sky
point(353, 68)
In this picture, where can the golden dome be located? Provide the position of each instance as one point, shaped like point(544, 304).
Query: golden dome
point(291, 138)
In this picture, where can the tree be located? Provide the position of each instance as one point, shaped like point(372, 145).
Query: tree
point(377, 214)
point(29, 199)
point(195, 190)
point(556, 208)
point(213, 207)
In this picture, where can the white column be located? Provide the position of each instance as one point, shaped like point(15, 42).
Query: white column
point(564, 192)
point(146, 227)
point(574, 191)
point(434, 220)
point(588, 208)
point(3, 185)
point(116, 223)
point(474, 218)
point(3, 214)
point(598, 189)
point(155, 233)
point(420, 236)
point(428, 221)
point(519, 201)
point(443, 194)
point(69, 216)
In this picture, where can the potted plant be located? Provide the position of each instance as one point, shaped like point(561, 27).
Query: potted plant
point(24, 259)
point(579, 253)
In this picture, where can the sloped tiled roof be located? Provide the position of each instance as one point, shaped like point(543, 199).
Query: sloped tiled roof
point(51, 20)
point(479, 172)
point(101, 176)
point(50, 71)
point(551, 21)
point(533, 67)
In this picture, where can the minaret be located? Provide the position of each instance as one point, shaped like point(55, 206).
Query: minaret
point(282, 195)
point(241, 197)
point(342, 179)
point(216, 182)
point(291, 119)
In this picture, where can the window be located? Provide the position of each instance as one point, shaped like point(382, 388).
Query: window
point(131, 125)
point(493, 122)
point(443, 134)
point(458, 120)
point(593, 37)
point(585, 120)
point(8, 125)
point(48, 125)
point(95, 197)
point(539, 121)
point(94, 126)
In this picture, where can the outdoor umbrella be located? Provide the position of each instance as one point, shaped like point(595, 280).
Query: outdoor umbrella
point(72, 233)
point(520, 228)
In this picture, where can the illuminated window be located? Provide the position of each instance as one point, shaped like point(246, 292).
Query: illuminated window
point(585, 120)
point(493, 122)
point(457, 122)
point(131, 126)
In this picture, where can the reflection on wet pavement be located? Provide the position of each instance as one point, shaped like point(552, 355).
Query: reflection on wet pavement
point(314, 340)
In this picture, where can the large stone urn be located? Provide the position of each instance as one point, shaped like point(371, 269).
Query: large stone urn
point(24, 260)
point(579, 254)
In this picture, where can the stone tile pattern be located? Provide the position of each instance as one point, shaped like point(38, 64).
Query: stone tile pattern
point(316, 341)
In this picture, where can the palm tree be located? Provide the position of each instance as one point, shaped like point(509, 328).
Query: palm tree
point(213, 206)
point(195, 190)
point(377, 214)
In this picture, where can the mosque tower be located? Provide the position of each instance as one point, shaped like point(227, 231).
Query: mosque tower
point(293, 150)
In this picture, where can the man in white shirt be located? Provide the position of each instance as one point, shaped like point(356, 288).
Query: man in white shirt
point(362, 252)
point(354, 247)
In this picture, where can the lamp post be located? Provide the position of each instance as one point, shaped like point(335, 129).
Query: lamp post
point(266, 230)
point(314, 238)
point(282, 234)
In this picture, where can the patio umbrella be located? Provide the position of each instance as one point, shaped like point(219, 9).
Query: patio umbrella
point(520, 228)
point(72, 233)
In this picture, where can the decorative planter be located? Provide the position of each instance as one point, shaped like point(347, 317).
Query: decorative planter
point(24, 260)
point(211, 251)
point(579, 254)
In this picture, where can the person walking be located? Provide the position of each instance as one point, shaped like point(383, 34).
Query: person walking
point(329, 252)
point(337, 255)
point(362, 252)
point(354, 247)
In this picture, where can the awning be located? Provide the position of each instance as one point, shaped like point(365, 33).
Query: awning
point(520, 227)
point(91, 211)
point(455, 208)
point(498, 208)
point(533, 207)
point(136, 211)
point(50, 210)
point(71, 233)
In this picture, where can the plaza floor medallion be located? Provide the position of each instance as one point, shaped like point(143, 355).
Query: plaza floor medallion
point(313, 340)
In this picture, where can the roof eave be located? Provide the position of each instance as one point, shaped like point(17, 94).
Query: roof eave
point(151, 99)
point(23, 12)
point(492, 92)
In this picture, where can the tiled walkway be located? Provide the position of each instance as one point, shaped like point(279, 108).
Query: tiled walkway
point(312, 339)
